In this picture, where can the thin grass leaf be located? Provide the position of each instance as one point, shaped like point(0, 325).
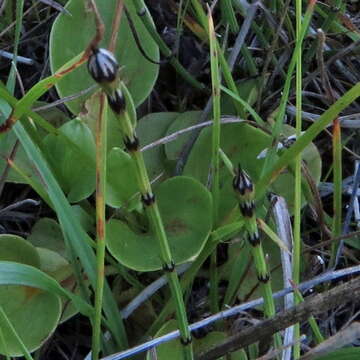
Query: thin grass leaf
point(123, 109)
point(5, 320)
point(288, 156)
point(101, 156)
point(29, 180)
point(149, 25)
point(245, 194)
point(10, 84)
point(3, 344)
point(225, 68)
point(312, 321)
point(297, 186)
point(12, 273)
point(286, 91)
point(337, 205)
point(272, 235)
point(40, 88)
point(228, 15)
point(221, 234)
point(215, 156)
point(78, 241)
point(246, 105)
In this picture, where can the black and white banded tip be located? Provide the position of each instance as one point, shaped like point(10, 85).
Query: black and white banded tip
point(103, 66)
point(117, 101)
point(242, 183)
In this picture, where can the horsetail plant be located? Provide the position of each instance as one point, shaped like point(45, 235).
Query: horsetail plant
point(298, 161)
point(103, 67)
point(215, 156)
point(245, 193)
point(120, 102)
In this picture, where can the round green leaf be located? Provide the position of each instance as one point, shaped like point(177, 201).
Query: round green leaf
point(71, 34)
point(150, 128)
point(171, 349)
point(174, 349)
point(15, 248)
point(121, 183)
point(90, 115)
point(32, 312)
point(47, 233)
point(239, 253)
point(74, 167)
point(182, 121)
point(85, 216)
point(248, 91)
point(59, 268)
point(242, 143)
point(186, 210)
point(12, 273)
point(284, 185)
point(20, 159)
point(203, 344)
point(54, 264)
point(349, 353)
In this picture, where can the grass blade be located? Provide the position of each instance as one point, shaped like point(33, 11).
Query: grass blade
point(5, 320)
point(288, 156)
point(78, 240)
point(101, 146)
point(215, 156)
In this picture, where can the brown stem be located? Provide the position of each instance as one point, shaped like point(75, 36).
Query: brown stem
point(115, 25)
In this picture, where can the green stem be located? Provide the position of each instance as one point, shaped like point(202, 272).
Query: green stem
point(297, 190)
point(101, 139)
point(313, 324)
point(244, 190)
point(145, 17)
point(10, 84)
point(215, 157)
point(326, 26)
point(226, 71)
point(287, 157)
point(337, 202)
point(155, 220)
point(221, 234)
point(3, 344)
point(337, 27)
point(5, 321)
point(259, 33)
point(228, 15)
point(285, 94)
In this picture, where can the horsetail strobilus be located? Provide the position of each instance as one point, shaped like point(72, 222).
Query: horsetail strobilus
point(104, 70)
point(245, 192)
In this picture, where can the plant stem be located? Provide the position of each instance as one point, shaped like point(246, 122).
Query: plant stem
point(326, 26)
point(5, 321)
point(101, 139)
point(144, 16)
point(313, 324)
point(305, 139)
point(228, 15)
point(221, 234)
point(151, 208)
point(244, 190)
point(226, 71)
point(285, 94)
point(215, 157)
point(10, 83)
point(337, 202)
point(297, 191)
